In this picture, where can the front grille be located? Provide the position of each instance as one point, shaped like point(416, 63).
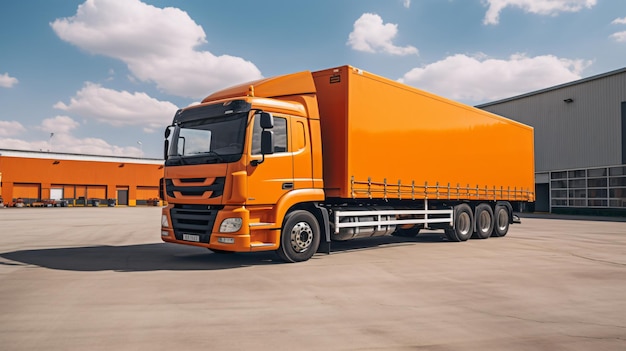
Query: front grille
point(194, 219)
point(216, 189)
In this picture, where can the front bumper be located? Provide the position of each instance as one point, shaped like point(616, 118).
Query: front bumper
point(199, 226)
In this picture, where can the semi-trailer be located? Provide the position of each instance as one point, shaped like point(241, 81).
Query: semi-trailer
point(294, 162)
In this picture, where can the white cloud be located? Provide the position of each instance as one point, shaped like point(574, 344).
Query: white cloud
point(9, 128)
point(119, 108)
point(406, 3)
point(58, 125)
point(540, 7)
point(619, 21)
point(619, 36)
point(90, 146)
point(479, 79)
point(7, 81)
point(61, 140)
point(370, 34)
point(18, 144)
point(158, 45)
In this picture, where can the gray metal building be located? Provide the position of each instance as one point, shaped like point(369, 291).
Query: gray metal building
point(580, 143)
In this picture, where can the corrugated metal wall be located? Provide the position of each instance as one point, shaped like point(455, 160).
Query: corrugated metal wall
point(586, 132)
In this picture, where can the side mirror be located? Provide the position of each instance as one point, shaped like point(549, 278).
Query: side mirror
point(267, 120)
point(166, 144)
point(267, 137)
point(267, 142)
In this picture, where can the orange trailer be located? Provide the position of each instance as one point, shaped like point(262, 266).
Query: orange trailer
point(289, 162)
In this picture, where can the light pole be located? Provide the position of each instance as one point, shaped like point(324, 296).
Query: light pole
point(140, 147)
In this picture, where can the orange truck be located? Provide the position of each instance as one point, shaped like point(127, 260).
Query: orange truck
point(294, 162)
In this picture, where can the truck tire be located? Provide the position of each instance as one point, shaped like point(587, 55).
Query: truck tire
point(300, 237)
point(484, 221)
point(501, 221)
point(463, 224)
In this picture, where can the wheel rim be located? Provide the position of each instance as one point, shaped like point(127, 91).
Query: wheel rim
point(464, 223)
point(484, 221)
point(503, 220)
point(301, 237)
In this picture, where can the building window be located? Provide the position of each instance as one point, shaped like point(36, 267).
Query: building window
point(594, 187)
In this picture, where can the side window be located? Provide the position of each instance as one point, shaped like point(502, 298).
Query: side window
point(280, 135)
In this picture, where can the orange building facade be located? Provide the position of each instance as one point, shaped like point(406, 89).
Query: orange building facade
point(43, 178)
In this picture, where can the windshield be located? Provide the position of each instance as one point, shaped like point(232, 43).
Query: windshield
point(209, 140)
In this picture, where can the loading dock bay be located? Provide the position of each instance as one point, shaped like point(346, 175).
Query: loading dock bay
point(101, 279)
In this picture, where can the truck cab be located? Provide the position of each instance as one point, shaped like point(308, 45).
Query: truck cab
point(236, 163)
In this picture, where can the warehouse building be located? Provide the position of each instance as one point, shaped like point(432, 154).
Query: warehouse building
point(580, 143)
point(30, 178)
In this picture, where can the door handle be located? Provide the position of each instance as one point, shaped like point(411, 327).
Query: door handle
point(287, 186)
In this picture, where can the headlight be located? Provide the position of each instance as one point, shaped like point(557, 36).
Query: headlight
point(164, 222)
point(230, 225)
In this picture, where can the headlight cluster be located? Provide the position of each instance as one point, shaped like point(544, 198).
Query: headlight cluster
point(230, 225)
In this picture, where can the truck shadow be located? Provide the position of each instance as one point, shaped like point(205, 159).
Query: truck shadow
point(167, 257)
point(374, 243)
point(135, 258)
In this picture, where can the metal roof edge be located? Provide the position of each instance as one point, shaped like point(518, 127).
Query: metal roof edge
point(77, 157)
point(541, 91)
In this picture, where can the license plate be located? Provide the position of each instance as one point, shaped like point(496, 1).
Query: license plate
point(191, 237)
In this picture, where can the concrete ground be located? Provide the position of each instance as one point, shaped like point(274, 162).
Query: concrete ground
point(101, 279)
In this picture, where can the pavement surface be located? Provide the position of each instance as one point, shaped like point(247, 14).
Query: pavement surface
point(101, 279)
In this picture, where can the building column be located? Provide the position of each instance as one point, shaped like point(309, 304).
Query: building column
point(132, 195)
point(45, 190)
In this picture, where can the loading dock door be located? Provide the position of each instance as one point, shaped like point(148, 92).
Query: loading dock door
point(56, 193)
point(122, 197)
point(147, 192)
point(96, 191)
point(26, 191)
point(542, 198)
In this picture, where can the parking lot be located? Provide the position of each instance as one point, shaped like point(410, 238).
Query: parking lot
point(101, 279)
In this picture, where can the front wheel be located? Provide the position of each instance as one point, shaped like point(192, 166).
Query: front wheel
point(300, 237)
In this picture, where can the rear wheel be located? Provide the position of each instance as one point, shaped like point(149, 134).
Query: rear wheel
point(502, 217)
point(484, 221)
point(300, 237)
point(463, 220)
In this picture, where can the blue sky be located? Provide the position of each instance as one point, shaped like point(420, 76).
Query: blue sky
point(106, 76)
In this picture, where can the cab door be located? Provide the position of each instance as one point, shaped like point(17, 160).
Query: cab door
point(270, 180)
point(301, 152)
